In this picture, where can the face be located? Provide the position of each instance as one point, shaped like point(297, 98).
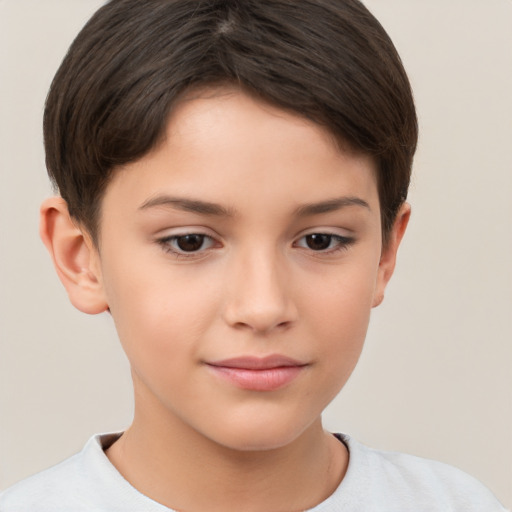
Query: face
point(240, 261)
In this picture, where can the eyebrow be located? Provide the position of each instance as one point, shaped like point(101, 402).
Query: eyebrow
point(330, 205)
point(207, 208)
point(187, 205)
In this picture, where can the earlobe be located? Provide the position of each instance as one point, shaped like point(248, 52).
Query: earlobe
point(74, 256)
point(389, 253)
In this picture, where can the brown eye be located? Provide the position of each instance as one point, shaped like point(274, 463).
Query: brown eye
point(193, 245)
point(318, 241)
point(325, 243)
point(190, 243)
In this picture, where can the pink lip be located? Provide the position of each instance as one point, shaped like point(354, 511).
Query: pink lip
point(258, 373)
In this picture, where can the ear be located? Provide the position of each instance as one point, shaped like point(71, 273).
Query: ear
point(389, 252)
point(74, 256)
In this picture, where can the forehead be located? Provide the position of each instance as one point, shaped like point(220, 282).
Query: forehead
point(226, 146)
point(202, 111)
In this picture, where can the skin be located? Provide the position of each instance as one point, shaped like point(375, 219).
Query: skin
point(257, 182)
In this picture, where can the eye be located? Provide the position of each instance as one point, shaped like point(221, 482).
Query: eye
point(189, 243)
point(324, 242)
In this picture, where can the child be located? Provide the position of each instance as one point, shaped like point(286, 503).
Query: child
point(232, 179)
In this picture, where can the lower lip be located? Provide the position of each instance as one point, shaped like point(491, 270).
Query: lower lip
point(269, 379)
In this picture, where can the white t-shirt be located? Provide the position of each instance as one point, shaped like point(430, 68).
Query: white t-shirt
point(375, 481)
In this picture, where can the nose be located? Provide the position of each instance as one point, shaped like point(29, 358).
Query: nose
point(260, 295)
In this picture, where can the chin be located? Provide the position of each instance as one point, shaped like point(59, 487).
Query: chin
point(263, 435)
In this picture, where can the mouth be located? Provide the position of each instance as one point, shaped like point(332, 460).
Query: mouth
point(258, 373)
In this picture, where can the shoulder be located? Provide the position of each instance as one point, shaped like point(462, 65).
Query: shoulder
point(41, 492)
point(405, 482)
point(86, 482)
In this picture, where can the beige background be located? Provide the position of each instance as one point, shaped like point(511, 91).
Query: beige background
point(435, 376)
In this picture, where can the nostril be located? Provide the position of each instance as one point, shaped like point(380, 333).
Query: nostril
point(260, 322)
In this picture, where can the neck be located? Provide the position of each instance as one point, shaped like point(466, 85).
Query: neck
point(169, 462)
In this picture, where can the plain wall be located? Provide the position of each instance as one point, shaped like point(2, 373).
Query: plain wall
point(435, 376)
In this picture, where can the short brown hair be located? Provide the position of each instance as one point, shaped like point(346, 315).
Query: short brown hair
point(328, 60)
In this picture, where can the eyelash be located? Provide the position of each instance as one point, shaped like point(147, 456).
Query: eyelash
point(342, 244)
point(167, 242)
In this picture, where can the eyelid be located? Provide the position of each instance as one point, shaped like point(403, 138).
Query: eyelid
point(344, 240)
point(168, 236)
point(323, 230)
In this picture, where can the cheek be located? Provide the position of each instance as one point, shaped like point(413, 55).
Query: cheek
point(342, 329)
point(340, 317)
point(160, 314)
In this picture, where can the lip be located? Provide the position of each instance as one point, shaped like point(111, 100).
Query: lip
point(268, 373)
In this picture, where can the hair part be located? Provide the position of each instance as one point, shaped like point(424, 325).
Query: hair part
point(327, 60)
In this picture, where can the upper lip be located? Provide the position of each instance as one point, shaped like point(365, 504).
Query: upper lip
point(257, 363)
